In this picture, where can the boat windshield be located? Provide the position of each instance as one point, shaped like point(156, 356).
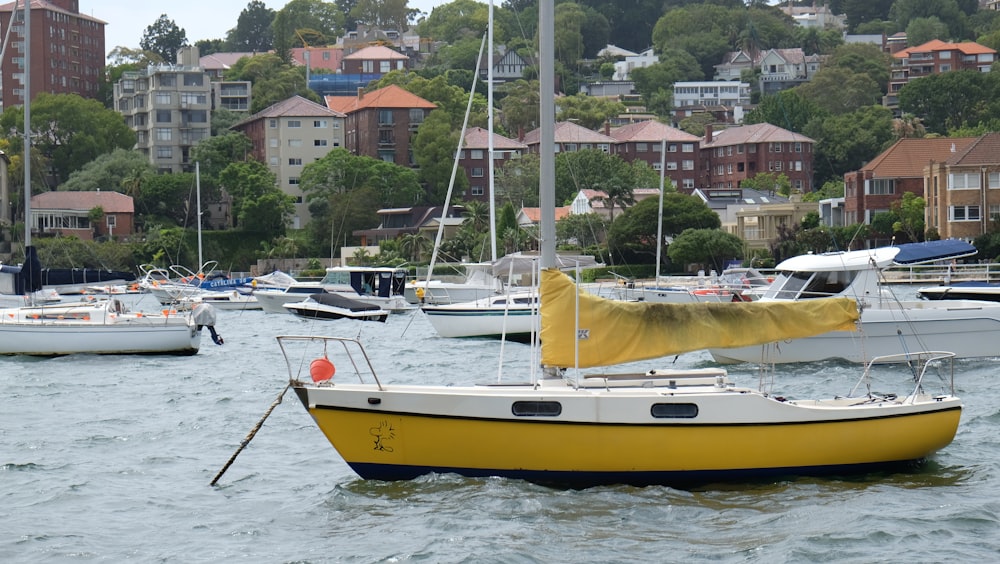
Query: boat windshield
point(807, 285)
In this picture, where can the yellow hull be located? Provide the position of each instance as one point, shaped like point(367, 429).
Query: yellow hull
point(381, 445)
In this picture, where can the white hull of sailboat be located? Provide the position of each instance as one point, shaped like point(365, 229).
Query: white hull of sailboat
point(514, 316)
point(93, 328)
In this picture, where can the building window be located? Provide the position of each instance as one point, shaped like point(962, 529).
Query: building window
point(671, 165)
point(164, 152)
point(774, 147)
point(385, 117)
point(162, 116)
point(163, 98)
point(416, 116)
point(387, 156)
point(687, 147)
point(274, 161)
point(798, 147)
point(294, 162)
point(671, 147)
point(294, 123)
point(477, 190)
point(163, 133)
point(963, 181)
point(319, 142)
point(963, 213)
point(641, 148)
point(477, 172)
point(273, 141)
point(294, 142)
point(384, 67)
point(687, 183)
point(319, 123)
point(272, 123)
point(476, 154)
point(293, 180)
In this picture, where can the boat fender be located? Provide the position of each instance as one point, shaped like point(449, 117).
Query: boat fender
point(204, 316)
point(322, 370)
point(420, 294)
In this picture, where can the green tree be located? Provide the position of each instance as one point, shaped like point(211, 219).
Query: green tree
point(68, 131)
point(711, 247)
point(273, 80)
point(253, 29)
point(517, 181)
point(949, 100)
point(910, 211)
point(434, 149)
point(841, 91)
point(109, 172)
point(167, 200)
point(596, 170)
point(788, 109)
point(519, 107)
point(258, 204)
point(582, 230)
point(383, 14)
point(769, 182)
point(947, 11)
point(922, 30)
point(164, 38)
point(414, 246)
point(633, 234)
point(214, 154)
point(589, 111)
point(845, 142)
point(863, 58)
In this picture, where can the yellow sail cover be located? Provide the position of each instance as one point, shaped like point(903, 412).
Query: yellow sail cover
point(614, 332)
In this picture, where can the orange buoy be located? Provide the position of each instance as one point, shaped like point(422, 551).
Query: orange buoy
point(322, 369)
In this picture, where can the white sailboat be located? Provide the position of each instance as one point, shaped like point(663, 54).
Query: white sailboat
point(653, 426)
point(97, 326)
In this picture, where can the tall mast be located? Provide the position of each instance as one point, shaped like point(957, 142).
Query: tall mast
point(547, 119)
point(489, 130)
point(27, 124)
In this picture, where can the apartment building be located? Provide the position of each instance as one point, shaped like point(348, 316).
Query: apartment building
point(645, 141)
point(381, 124)
point(934, 57)
point(963, 190)
point(289, 135)
point(734, 154)
point(473, 159)
point(67, 51)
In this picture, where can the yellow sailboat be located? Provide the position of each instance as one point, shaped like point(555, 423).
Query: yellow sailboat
point(671, 427)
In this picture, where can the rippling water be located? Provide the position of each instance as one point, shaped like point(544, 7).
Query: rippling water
point(110, 459)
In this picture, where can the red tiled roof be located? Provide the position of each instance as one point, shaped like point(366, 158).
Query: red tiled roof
point(983, 151)
point(327, 58)
point(569, 132)
point(966, 47)
point(756, 133)
point(296, 106)
point(907, 158)
point(535, 214)
point(479, 138)
point(392, 96)
point(111, 202)
point(651, 131)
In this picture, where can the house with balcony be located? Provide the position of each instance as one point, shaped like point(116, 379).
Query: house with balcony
point(632, 61)
point(726, 100)
point(473, 160)
point(781, 69)
point(645, 141)
point(288, 135)
point(381, 124)
point(734, 154)
point(934, 57)
point(963, 189)
point(873, 188)
point(67, 214)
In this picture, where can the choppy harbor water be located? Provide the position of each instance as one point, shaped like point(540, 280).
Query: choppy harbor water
point(108, 459)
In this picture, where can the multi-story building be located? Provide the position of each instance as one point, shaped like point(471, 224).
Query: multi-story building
point(67, 50)
point(781, 69)
point(376, 59)
point(899, 169)
point(734, 154)
point(169, 108)
point(645, 141)
point(473, 160)
point(289, 135)
point(572, 137)
point(381, 124)
point(723, 98)
point(934, 57)
point(963, 190)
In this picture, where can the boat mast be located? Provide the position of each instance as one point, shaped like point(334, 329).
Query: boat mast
point(489, 129)
point(197, 188)
point(547, 121)
point(659, 215)
point(27, 127)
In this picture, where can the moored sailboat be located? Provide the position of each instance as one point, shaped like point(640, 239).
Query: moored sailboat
point(673, 427)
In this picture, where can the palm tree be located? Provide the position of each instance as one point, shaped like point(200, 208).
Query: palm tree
point(413, 245)
point(477, 213)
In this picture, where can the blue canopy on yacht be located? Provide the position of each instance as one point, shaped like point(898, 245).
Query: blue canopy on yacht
point(929, 251)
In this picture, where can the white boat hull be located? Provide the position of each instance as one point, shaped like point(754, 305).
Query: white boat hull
point(514, 317)
point(90, 328)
